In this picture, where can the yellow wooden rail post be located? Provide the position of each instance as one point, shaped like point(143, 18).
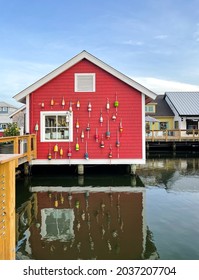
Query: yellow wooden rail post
point(7, 207)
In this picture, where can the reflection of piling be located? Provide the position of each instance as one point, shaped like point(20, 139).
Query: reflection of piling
point(133, 169)
point(80, 169)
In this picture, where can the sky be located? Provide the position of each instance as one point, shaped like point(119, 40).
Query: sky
point(154, 42)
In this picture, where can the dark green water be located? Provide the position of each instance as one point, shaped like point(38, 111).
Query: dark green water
point(108, 214)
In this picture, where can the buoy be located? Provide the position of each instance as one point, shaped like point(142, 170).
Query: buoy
point(86, 153)
point(88, 129)
point(102, 142)
point(96, 135)
point(110, 155)
point(52, 102)
point(70, 107)
point(120, 126)
point(107, 105)
point(89, 107)
point(82, 135)
point(49, 156)
point(63, 102)
point(78, 104)
point(116, 103)
point(61, 152)
point(108, 134)
point(69, 152)
point(101, 118)
point(36, 127)
point(117, 140)
point(77, 125)
point(77, 145)
point(56, 148)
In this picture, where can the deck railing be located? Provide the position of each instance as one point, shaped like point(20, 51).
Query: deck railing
point(25, 145)
point(172, 135)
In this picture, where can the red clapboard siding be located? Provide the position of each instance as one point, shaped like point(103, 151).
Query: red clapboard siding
point(129, 112)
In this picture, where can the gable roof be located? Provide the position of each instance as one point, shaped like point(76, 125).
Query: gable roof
point(83, 55)
point(162, 107)
point(186, 103)
point(4, 104)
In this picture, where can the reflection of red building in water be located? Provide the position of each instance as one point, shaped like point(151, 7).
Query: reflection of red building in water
point(87, 224)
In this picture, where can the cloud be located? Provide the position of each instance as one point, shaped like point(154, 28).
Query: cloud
point(133, 43)
point(161, 37)
point(160, 86)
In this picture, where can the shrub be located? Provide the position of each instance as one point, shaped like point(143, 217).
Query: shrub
point(11, 130)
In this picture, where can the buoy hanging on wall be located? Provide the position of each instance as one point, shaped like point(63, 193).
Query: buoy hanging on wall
point(101, 118)
point(52, 102)
point(77, 145)
point(102, 142)
point(56, 150)
point(86, 153)
point(61, 152)
point(77, 125)
point(89, 108)
point(110, 155)
point(96, 135)
point(116, 103)
point(49, 156)
point(69, 153)
point(36, 127)
point(70, 107)
point(78, 104)
point(63, 102)
point(88, 130)
point(107, 105)
point(120, 126)
point(108, 134)
point(82, 135)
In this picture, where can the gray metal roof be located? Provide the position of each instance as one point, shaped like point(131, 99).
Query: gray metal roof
point(186, 103)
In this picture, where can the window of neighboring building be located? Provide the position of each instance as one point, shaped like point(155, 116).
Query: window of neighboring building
point(3, 126)
point(164, 125)
point(84, 82)
point(56, 126)
point(150, 108)
point(3, 109)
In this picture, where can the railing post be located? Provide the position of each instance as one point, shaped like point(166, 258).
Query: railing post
point(29, 148)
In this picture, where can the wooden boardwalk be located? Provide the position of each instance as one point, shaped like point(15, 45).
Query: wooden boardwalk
point(173, 138)
point(23, 149)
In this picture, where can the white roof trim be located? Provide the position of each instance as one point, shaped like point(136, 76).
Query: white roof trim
point(21, 95)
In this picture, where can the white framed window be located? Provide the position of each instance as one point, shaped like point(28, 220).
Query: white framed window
point(150, 108)
point(85, 82)
point(56, 126)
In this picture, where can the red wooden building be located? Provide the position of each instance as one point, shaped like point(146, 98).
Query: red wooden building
point(86, 112)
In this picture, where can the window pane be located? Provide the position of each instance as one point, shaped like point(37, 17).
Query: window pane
point(62, 121)
point(50, 121)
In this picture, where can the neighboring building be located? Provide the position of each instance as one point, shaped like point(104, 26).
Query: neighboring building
point(185, 106)
point(160, 110)
point(86, 112)
point(5, 111)
point(19, 117)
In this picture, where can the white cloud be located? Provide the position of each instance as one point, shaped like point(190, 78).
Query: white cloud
point(160, 86)
point(161, 37)
point(133, 43)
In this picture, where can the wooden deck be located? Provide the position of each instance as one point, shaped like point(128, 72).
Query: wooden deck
point(25, 146)
point(173, 138)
